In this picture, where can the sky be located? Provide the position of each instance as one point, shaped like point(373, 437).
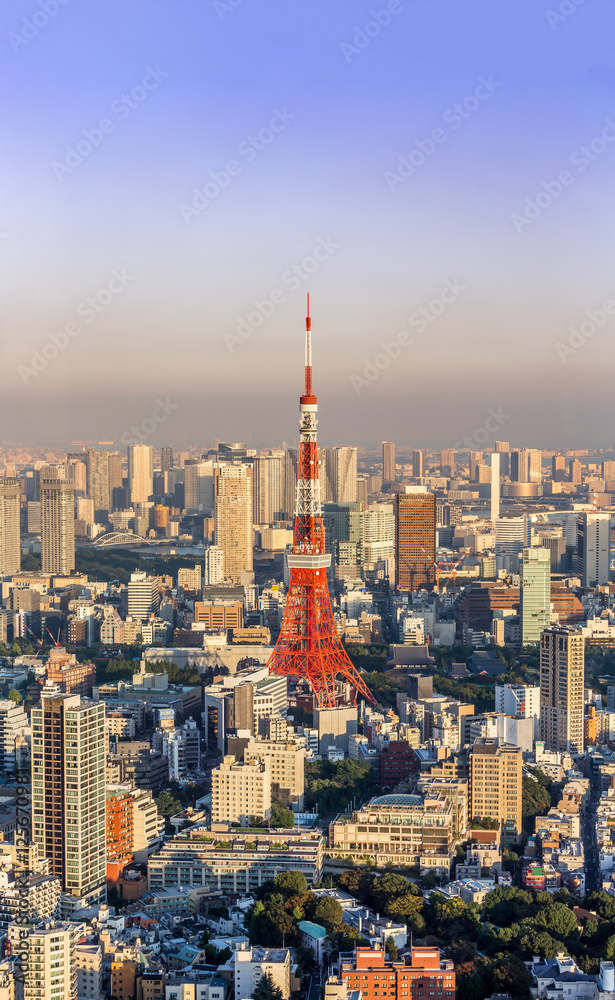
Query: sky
point(438, 175)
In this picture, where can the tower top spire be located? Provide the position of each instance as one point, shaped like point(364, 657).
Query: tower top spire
point(308, 396)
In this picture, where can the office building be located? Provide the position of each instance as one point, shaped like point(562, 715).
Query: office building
point(503, 450)
point(10, 539)
point(388, 463)
point(98, 483)
point(213, 566)
point(143, 596)
point(233, 520)
point(57, 527)
point(512, 535)
point(166, 459)
point(495, 486)
point(447, 463)
point(415, 541)
point(374, 831)
point(240, 791)
point(379, 536)
point(558, 468)
point(372, 974)
point(562, 672)
point(535, 593)
point(199, 485)
point(268, 488)
point(68, 791)
point(593, 548)
point(342, 523)
point(495, 786)
point(418, 464)
point(140, 472)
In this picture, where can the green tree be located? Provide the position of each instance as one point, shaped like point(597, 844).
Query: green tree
point(404, 907)
point(558, 920)
point(328, 913)
point(267, 989)
point(388, 887)
point(15, 696)
point(15, 649)
point(391, 948)
point(282, 817)
point(167, 804)
point(290, 883)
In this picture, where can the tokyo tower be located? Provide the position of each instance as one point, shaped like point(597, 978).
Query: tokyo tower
point(309, 647)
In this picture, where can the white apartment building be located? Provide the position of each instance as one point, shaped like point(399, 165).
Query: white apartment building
point(251, 964)
point(240, 790)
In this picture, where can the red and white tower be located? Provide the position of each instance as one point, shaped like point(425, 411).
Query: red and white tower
point(309, 647)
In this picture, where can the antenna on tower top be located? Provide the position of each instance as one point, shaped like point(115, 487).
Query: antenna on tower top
point(308, 350)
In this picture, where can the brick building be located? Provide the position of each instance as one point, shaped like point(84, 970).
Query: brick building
point(423, 974)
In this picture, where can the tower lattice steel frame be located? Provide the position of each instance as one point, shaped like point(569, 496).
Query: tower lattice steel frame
point(309, 647)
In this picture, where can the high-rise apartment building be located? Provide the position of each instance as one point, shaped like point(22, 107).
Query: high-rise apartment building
point(189, 577)
point(562, 672)
point(10, 539)
point(240, 791)
point(116, 476)
point(49, 958)
point(286, 760)
point(526, 465)
point(558, 468)
point(213, 566)
point(140, 472)
point(519, 701)
point(447, 463)
point(233, 520)
point(475, 459)
point(388, 462)
point(379, 534)
point(415, 541)
point(57, 526)
point(68, 791)
point(593, 548)
point(418, 464)
point(575, 471)
point(535, 593)
point(495, 785)
point(338, 475)
point(77, 474)
point(495, 486)
point(503, 450)
point(98, 482)
point(342, 523)
point(268, 491)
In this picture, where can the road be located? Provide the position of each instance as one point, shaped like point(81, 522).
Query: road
point(592, 882)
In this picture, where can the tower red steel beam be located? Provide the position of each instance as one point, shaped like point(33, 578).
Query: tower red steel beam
point(309, 647)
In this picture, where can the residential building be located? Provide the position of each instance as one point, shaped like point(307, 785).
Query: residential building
point(252, 963)
point(418, 464)
point(98, 483)
point(425, 972)
point(562, 672)
point(51, 963)
point(593, 547)
point(57, 526)
point(199, 485)
point(535, 593)
point(143, 596)
point(13, 725)
point(495, 786)
point(233, 520)
point(213, 566)
point(68, 791)
point(447, 463)
point(268, 488)
point(10, 539)
point(388, 463)
point(189, 578)
point(140, 472)
point(415, 541)
point(89, 959)
point(286, 760)
point(338, 475)
point(240, 791)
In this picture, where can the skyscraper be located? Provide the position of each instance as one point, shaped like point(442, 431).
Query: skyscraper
point(116, 475)
point(199, 485)
point(268, 488)
point(233, 520)
point(418, 464)
point(447, 463)
point(558, 468)
point(475, 459)
point(68, 791)
point(339, 481)
point(140, 472)
point(98, 482)
point(166, 459)
point(575, 471)
point(593, 546)
point(535, 593)
point(562, 672)
point(526, 465)
point(495, 486)
point(388, 462)
point(503, 450)
point(57, 526)
point(10, 539)
point(213, 566)
point(415, 540)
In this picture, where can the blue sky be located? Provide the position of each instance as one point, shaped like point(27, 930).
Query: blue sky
point(181, 88)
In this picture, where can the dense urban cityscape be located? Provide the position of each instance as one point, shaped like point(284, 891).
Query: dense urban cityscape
point(290, 722)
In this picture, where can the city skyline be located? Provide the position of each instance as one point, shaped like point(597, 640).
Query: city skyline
point(421, 171)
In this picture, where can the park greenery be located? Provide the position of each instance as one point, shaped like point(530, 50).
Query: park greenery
point(332, 787)
point(117, 564)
